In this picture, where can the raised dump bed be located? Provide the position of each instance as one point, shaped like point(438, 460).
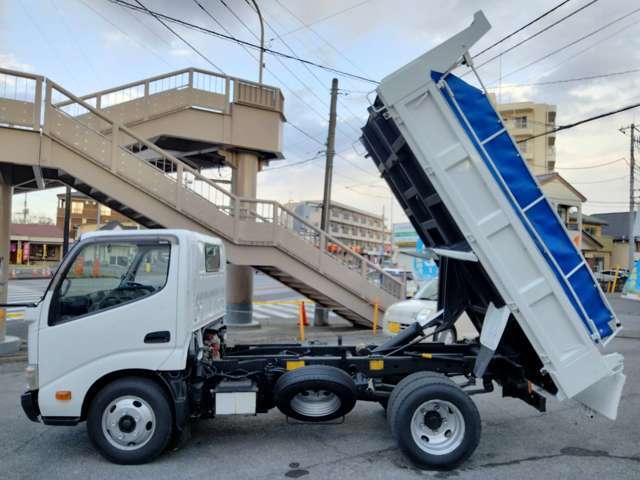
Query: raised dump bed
point(509, 262)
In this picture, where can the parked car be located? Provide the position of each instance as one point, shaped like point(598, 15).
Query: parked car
point(420, 309)
point(610, 275)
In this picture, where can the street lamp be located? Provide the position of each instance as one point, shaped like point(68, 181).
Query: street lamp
point(255, 4)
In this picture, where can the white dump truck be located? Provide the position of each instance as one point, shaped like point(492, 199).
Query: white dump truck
point(129, 336)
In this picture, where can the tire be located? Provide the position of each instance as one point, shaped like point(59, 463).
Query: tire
point(136, 409)
point(436, 424)
point(316, 393)
point(448, 336)
point(406, 382)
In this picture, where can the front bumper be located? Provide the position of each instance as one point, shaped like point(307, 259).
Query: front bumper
point(29, 402)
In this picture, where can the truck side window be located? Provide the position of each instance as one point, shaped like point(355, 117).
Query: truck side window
point(107, 274)
point(211, 257)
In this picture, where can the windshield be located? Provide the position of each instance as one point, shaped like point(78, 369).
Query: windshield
point(429, 291)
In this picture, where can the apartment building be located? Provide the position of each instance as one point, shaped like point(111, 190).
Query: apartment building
point(361, 231)
point(526, 119)
point(87, 214)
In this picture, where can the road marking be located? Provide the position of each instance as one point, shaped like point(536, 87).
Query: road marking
point(269, 310)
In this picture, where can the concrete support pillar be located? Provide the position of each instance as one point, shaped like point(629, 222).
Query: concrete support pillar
point(244, 181)
point(8, 345)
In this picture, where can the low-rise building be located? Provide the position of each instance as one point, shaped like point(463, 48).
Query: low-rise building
point(361, 231)
point(87, 215)
point(32, 243)
point(527, 119)
point(617, 230)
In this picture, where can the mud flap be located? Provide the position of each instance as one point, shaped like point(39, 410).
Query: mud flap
point(495, 321)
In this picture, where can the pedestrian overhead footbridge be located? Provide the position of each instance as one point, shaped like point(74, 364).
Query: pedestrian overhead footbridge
point(140, 149)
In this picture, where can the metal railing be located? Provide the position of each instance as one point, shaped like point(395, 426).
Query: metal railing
point(231, 88)
point(83, 127)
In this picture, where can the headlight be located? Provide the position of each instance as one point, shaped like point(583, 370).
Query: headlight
point(423, 315)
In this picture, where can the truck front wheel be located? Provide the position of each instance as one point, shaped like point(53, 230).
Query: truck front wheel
point(130, 421)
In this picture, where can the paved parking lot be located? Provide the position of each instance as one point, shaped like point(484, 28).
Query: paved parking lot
point(517, 441)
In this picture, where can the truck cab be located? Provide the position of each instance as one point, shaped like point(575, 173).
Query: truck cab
point(121, 303)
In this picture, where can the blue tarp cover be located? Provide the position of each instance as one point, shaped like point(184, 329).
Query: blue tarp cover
point(520, 183)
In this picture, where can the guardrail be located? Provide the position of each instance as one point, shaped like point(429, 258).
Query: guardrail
point(85, 128)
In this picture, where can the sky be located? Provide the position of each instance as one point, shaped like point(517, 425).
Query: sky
point(90, 45)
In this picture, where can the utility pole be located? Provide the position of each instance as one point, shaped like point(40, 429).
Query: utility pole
point(321, 316)
point(67, 221)
point(632, 165)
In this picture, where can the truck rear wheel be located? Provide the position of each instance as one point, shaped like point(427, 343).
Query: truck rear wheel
point(408, 382)
point(317, 393)
point(436, 424)
point(130, 421)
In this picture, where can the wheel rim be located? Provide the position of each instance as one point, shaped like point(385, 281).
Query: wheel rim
point(315, 403)
point(128, 422)
point(437, 427)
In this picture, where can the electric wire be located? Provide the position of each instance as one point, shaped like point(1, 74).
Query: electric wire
point(321, 37)
point(592, 166)
point(311, 72)
point(284, 65)
point(315, 22)
point(231, 38)
point(184, 40)
point(570, 80)
point(570, 44)
point(535, 35)
point(580, 122)
point(515, 32)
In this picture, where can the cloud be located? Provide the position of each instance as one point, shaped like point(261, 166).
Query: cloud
point(10, 61)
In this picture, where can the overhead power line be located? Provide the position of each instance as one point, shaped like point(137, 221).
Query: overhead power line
point(528, 24)
point(581, 122)
point(231, 38)
point(569, 80)
point(313, 74)
point(338, 51)
point(538, 33)
point(340, 12)
point(592, 166)
point(185, 41)
point(623, 177)
point(114, 25)
point(294, 164)
point(572, 43)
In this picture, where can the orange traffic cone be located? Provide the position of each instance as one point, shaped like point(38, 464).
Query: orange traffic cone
point(95, 270)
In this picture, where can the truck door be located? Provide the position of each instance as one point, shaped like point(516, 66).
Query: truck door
point(113, 307)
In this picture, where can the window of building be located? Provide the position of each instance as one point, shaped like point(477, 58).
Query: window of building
point(106, 275)
point(77, 207)
point(520, 122)
point(105, 211)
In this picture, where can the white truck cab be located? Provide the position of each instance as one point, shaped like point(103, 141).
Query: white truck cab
point(120, 303)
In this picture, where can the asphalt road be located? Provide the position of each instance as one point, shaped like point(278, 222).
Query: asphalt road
point(517, 443)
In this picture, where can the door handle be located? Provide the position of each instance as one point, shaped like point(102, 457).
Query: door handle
point(158, 337)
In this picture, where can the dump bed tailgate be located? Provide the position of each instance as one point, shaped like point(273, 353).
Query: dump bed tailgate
point(462, 181)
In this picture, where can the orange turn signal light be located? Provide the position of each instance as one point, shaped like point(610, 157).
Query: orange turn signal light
point(64, 395)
